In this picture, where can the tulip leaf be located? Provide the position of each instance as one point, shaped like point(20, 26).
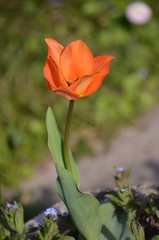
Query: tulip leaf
point(55, 144)
point(84, 208)
point(114, 221)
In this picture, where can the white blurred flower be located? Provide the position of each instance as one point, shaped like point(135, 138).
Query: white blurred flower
point(138, 13)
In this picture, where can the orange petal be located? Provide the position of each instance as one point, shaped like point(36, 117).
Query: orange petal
point(82, 84)
point(48, 85)
point(64, 92)
point(67, 93)
point(53, 75)
point(48, 74)
point(54, 49)
point(101, 61)
point(76, 61)
point(99, 77)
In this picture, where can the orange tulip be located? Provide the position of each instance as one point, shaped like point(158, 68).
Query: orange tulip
point(73, 72)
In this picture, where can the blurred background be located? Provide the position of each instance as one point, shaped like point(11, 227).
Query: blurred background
point(130, 90)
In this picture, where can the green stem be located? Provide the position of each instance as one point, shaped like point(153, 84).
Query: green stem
point(66, 137)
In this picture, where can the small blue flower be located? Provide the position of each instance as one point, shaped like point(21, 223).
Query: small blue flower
point(122, 190)
point(13, 206)
point(120, 169)
point(65, 214)
point(51, 212)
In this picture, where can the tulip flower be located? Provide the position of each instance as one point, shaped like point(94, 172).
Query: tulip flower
point(73, 72)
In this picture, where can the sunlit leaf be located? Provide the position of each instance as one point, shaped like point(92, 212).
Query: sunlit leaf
point(114, 223)
point(84, 208)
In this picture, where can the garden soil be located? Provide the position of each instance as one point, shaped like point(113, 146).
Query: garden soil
point(135, 147)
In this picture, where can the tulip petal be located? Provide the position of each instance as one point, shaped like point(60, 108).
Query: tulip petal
point(82, 84)
point(101, 61)
point(76, 61)
point(53, 74)
point(61, 91)
point(48, 74)
point(104, 70)
point(48, 86)
point(54, 49)
point(66, 93)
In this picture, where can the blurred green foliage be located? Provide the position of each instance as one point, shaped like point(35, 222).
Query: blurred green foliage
point(130, 88)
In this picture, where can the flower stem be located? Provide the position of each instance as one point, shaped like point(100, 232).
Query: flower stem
point(66, 137)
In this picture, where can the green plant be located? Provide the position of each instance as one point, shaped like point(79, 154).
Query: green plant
point(12, 221)
point(88, 216)
point(124, 198)
point(120, 219)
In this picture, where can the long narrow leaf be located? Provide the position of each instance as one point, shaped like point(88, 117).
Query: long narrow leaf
point(55, 144)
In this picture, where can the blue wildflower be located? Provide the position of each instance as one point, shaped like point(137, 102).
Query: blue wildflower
point(122, 190)
point(120, 169)
point(51, 212)
point(65, 214)
point(13, 206)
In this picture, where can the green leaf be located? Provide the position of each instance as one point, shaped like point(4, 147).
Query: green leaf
point(4, 220)
point(39, 234)
point(114, 223)
point(19, 219)
point(84, 208)
point(137, 230)
point(114, 199)
point(55, 143)
point(4, 234)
